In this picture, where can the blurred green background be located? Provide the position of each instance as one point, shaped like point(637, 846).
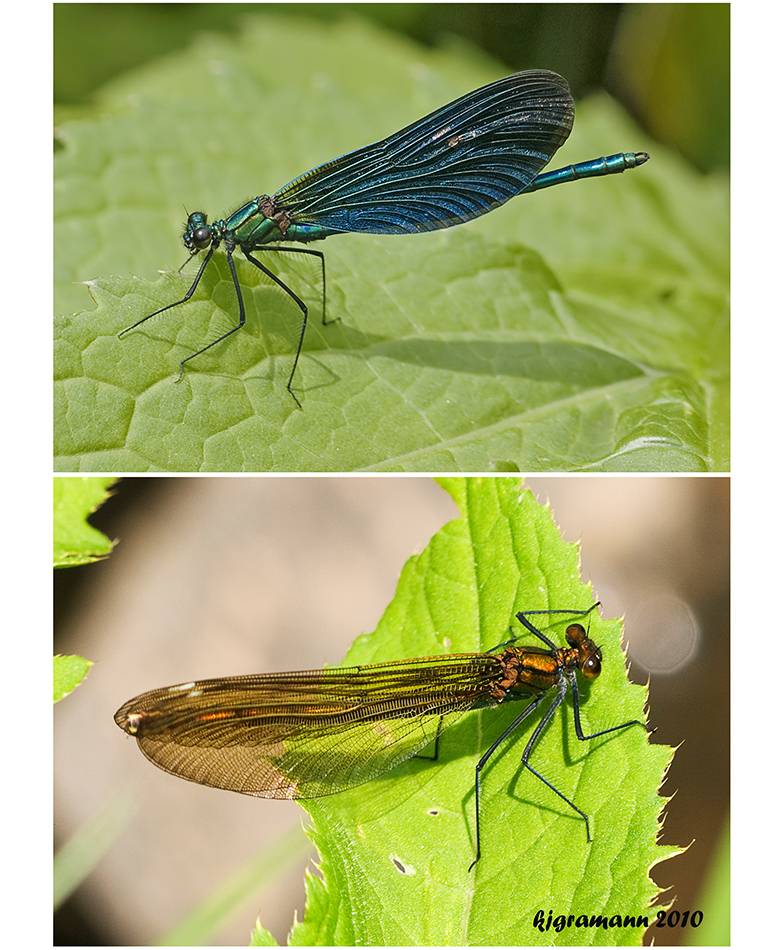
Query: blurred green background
point(648, 56)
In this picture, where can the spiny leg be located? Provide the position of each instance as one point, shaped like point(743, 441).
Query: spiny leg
point(483, 761)
point(543, 723)
point(241, 303)
point(524, 614)
point(185, 299)
point(296, 300)
point(320, 255)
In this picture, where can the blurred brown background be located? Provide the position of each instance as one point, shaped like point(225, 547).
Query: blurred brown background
point(219, 576)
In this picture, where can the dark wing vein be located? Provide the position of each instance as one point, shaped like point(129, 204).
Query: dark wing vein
point(455, 164)
point(304, 735)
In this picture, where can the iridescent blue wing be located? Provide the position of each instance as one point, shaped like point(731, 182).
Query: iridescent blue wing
point(457, 163)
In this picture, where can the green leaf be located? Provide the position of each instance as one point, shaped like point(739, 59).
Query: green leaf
point(395, 852)
point(69, 671)
point(76, 541)
point(581, 328)
point(261, 937)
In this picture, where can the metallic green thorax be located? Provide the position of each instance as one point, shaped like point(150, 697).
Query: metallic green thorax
point(259, 221)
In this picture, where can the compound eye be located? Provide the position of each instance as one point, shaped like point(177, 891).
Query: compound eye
point(201, 238)
point(592, 666)
point(575, 634)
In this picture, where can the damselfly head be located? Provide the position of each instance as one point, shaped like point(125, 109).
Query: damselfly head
point(198, 233)
point(589, 655)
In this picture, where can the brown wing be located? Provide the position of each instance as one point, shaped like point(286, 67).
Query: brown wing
point(308, 734)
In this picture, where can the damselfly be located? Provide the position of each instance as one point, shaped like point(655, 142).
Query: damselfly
point(318, 732)
point(456, 164)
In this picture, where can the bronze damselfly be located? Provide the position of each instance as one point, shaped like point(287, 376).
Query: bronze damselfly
point(318, 732)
